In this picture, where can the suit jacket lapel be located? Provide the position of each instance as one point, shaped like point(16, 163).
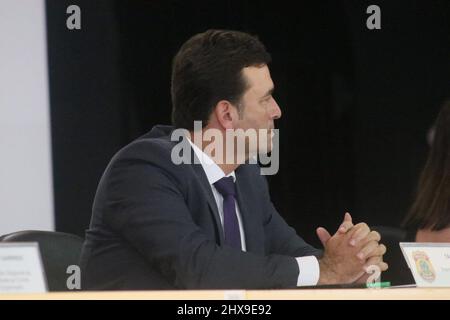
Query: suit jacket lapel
point(205, 186)
point(210, 198)
point(254, 237)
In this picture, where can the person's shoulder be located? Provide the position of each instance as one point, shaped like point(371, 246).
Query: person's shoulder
point(154, 145)
point(148, 157)
point(152, 150)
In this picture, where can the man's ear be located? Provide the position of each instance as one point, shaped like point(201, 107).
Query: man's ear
point(224, 113)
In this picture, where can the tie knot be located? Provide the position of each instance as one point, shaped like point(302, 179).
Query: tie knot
point(226, 186)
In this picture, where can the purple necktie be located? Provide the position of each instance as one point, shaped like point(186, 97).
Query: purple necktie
point(227, 189)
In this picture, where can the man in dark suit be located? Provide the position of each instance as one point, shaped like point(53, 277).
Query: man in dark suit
point(206, 222)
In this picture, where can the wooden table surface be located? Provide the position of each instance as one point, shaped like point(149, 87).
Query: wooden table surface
point(300, 294)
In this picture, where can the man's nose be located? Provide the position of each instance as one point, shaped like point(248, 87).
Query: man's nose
point(276, 111)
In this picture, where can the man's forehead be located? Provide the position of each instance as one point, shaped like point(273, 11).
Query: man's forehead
point(258, 78)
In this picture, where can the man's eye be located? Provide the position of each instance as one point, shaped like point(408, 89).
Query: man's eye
point(265, 100)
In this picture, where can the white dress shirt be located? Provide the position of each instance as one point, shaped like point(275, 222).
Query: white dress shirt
point(308, 266)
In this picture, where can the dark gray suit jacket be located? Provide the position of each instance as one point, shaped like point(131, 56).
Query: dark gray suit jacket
point(155, 225)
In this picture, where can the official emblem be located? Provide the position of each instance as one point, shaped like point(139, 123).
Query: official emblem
point(424, 266)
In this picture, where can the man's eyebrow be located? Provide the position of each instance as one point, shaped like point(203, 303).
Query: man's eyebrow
point(269, 92)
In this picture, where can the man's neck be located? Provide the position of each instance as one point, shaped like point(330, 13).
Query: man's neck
point(201, 144)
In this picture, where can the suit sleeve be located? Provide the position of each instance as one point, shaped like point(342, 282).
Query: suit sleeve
point(145, 206)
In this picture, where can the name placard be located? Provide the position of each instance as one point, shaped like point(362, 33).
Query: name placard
point(429, 263)
point(21, 269)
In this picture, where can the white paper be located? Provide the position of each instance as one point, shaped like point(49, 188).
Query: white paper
point(21, 269)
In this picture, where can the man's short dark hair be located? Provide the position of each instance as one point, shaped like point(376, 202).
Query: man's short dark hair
point(207, 69)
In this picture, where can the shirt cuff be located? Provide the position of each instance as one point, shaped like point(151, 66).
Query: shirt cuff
point(309, 271)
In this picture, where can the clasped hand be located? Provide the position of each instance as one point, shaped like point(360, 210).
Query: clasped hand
point(350, 254)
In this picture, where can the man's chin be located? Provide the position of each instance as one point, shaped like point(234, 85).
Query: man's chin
point(265, 150)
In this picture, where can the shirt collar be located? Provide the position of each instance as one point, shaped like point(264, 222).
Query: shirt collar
point(213, 172)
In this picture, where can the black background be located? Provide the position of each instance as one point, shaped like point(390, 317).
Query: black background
point(356, 103)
